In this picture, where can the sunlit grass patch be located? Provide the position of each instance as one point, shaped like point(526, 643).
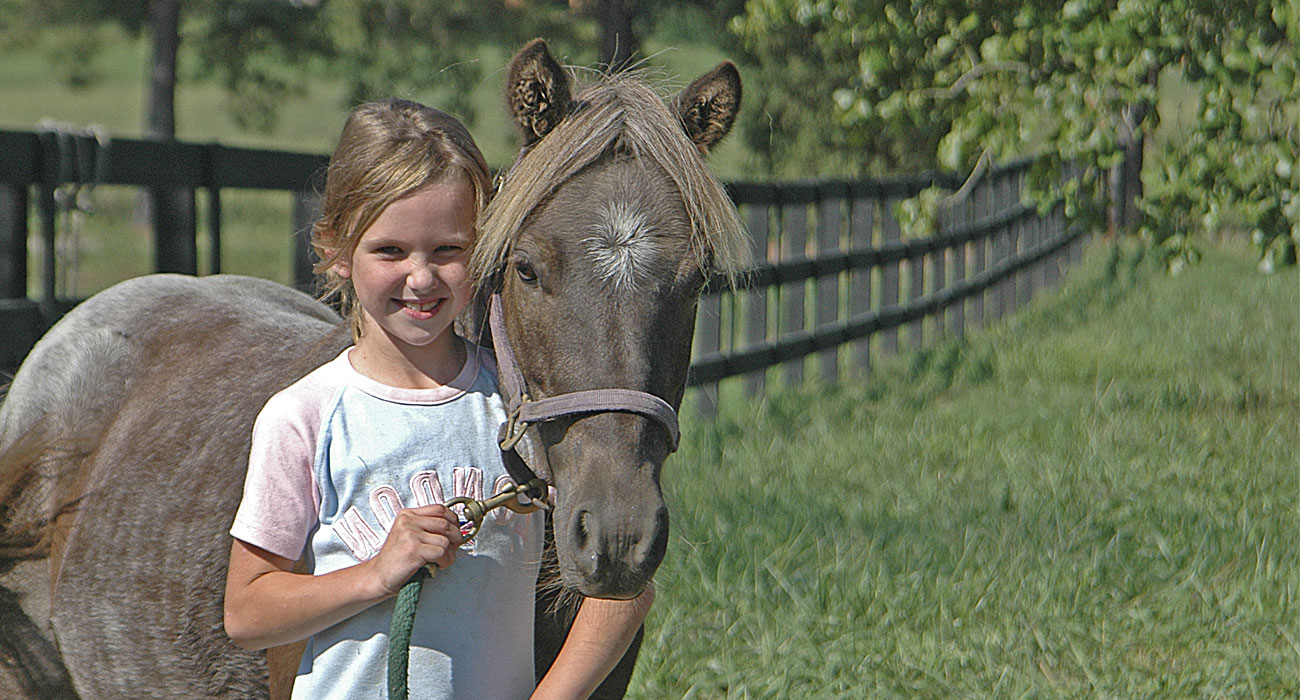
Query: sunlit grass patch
point(1096, 498)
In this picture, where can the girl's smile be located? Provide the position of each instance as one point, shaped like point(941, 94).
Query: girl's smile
point(419, 309)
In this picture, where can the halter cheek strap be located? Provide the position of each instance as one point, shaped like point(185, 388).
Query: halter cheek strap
point(523, 410)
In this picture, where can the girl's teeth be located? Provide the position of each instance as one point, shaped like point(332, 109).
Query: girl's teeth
point(422, 307)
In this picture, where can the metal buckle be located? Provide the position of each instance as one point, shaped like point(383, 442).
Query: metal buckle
point(515, 428)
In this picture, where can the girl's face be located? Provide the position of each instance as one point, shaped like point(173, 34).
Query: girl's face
point(409, 270)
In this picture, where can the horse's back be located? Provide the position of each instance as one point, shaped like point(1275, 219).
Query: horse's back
point(81, 366)
point(154, 385)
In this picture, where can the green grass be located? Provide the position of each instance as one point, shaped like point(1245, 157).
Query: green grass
point(1097, 499)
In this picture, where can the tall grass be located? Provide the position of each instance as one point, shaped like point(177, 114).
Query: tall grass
point(1097, 499)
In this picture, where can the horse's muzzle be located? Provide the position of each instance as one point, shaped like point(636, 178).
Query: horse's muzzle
point(614, 557)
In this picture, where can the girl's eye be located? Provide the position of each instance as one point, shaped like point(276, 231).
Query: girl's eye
point(389, 250)
point(526, 272)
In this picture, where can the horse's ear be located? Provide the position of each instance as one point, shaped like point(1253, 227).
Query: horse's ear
point(708, 106)
point(537, 90)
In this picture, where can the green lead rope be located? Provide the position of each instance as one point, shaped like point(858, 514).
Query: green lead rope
point(399, 635)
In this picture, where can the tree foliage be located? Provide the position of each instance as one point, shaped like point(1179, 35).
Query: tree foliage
point(955, 84)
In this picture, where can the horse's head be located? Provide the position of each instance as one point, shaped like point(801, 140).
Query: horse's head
point(602, 236)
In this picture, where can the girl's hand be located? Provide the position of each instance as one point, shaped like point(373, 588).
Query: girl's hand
point(267, 604)
point(419, 536)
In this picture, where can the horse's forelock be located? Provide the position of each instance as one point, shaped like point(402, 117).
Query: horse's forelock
point(617, 112)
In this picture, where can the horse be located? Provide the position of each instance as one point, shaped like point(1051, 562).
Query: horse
point(124, 435)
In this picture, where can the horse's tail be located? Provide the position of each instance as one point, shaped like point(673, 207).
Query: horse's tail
point(28, 472)
point(30, 665)
point(66, 393)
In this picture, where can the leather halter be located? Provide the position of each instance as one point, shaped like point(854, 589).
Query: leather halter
point(522, 410)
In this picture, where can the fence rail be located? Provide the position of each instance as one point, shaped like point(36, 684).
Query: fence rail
point(33, 165)
point(833, 278)
point(835, 285)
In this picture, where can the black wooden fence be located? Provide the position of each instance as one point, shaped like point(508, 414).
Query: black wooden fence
point(33, 166)
point(834, 282)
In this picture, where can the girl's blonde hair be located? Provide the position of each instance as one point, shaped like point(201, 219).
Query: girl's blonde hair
point(388, 150)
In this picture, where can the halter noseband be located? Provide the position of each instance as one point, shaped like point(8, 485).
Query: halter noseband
point(523, 410)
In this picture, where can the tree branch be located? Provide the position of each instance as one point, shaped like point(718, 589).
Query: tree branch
point(976, 174)
point(976, 71)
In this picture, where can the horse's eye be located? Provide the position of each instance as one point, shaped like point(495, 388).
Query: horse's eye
point(526, 272)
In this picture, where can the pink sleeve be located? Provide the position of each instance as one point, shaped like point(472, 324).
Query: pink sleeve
point(281, 500)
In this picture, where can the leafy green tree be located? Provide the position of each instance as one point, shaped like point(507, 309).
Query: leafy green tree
point(808, 54)
point(963, 84)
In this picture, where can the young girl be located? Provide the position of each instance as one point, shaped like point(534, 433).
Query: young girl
point(350, 465)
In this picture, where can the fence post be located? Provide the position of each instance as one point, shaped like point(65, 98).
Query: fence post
point(1053, 271)
point(708, 340)
point(889, 273)
point(13, 241)
point(938, 280)
point(979, 247)
point(915, 290)
point(957, 313)
point(1003, 248)
point(214, 230)
point(861, 225)
point(830, 221)
point(757, 218)
point(49, 235)
point(174, 232)
point(19, 325)
point(1043, 233)
point(794, 241)
point(1024, 243)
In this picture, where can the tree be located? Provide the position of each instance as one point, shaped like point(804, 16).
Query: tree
point(799, 124)
point(165, 38)
point(968, 83)
point(616, 20)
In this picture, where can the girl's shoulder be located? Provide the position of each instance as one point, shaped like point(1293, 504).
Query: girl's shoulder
point(309, 396)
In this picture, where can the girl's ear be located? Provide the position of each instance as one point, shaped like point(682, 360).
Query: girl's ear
point(343, 266)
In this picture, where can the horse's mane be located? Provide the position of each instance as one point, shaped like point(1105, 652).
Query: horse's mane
point(619, 112)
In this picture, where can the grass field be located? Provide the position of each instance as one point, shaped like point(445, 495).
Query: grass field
point(1097, 499)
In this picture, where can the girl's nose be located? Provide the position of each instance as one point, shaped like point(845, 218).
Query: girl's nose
point(420, 277)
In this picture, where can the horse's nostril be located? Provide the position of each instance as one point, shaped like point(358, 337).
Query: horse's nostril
point(586, 536)
point(582, 533)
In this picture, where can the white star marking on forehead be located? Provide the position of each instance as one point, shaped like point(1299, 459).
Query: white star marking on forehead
point(622, 245)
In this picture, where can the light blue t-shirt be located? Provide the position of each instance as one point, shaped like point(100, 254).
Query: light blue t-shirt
point(375, 449)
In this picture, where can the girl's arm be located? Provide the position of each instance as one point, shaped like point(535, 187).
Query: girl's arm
point(600, 636)
point(268, 604)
